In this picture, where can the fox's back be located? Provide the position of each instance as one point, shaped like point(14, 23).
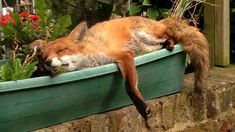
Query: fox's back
point(130, 32)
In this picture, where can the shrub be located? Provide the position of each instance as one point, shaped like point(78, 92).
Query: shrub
point(19, 30)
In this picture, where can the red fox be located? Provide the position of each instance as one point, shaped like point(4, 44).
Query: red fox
point(119, 41)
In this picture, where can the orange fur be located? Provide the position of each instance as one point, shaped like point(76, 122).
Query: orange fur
point(195, 45)
point(121, 39)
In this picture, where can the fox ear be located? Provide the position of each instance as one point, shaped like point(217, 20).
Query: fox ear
point(79, 32)
point(39, 44)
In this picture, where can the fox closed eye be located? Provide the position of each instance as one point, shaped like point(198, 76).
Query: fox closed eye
point(61, 50)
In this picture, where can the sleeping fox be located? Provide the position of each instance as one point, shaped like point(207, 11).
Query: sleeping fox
point(119, 41)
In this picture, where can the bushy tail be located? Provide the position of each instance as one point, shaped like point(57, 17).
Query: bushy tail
point(194, 44)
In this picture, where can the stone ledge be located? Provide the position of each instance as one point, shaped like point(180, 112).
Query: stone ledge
point(185, 111)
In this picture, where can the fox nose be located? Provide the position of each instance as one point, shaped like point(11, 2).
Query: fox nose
point(48, 62)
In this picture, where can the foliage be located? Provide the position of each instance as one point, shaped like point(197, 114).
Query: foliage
point(50, 27)
point(24, 28)
point(17, 29)
point(192, 8)
point(92, 11)
point(15, 70)
point(141, 7)
point(20, 29)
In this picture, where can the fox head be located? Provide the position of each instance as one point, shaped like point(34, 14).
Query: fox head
point(63, 52)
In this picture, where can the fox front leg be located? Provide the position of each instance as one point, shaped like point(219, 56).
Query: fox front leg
point(125, 62)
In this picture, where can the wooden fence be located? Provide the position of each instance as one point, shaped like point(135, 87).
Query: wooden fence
point(217, 30)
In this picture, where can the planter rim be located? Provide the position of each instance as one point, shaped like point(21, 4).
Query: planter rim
point(82, 74)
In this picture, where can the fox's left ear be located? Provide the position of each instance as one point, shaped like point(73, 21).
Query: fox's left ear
point(79, 32)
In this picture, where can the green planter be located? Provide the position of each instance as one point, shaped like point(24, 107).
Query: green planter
point(39, 102)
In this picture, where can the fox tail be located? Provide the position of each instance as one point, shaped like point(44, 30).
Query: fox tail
point(195, 45)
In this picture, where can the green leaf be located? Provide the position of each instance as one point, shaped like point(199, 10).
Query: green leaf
point(146, 3)
point(153, 13)
point(41, 5)
point(233, 10)
point(135, 9)
point(61, 26)
point(29, 69)
point(45, 17)
point(106, 1)
point(16, 67)
point(14, 70)
point(5, 72)
point(164, 12)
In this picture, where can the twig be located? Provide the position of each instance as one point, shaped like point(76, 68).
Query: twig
point(29, 59)
point(14, 51)
point(179, 7)
point(4, 1)
point(16, 46)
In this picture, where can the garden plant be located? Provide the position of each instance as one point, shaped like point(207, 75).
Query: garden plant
point(19, 30)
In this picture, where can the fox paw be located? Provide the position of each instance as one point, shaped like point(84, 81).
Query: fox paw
point(150, 121)
point(170, 47)
point(148, 112)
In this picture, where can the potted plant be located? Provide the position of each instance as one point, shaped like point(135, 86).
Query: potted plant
point(38, 102)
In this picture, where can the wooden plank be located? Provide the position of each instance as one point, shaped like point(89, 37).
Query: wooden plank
point(222, 33)
point(209, 27)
